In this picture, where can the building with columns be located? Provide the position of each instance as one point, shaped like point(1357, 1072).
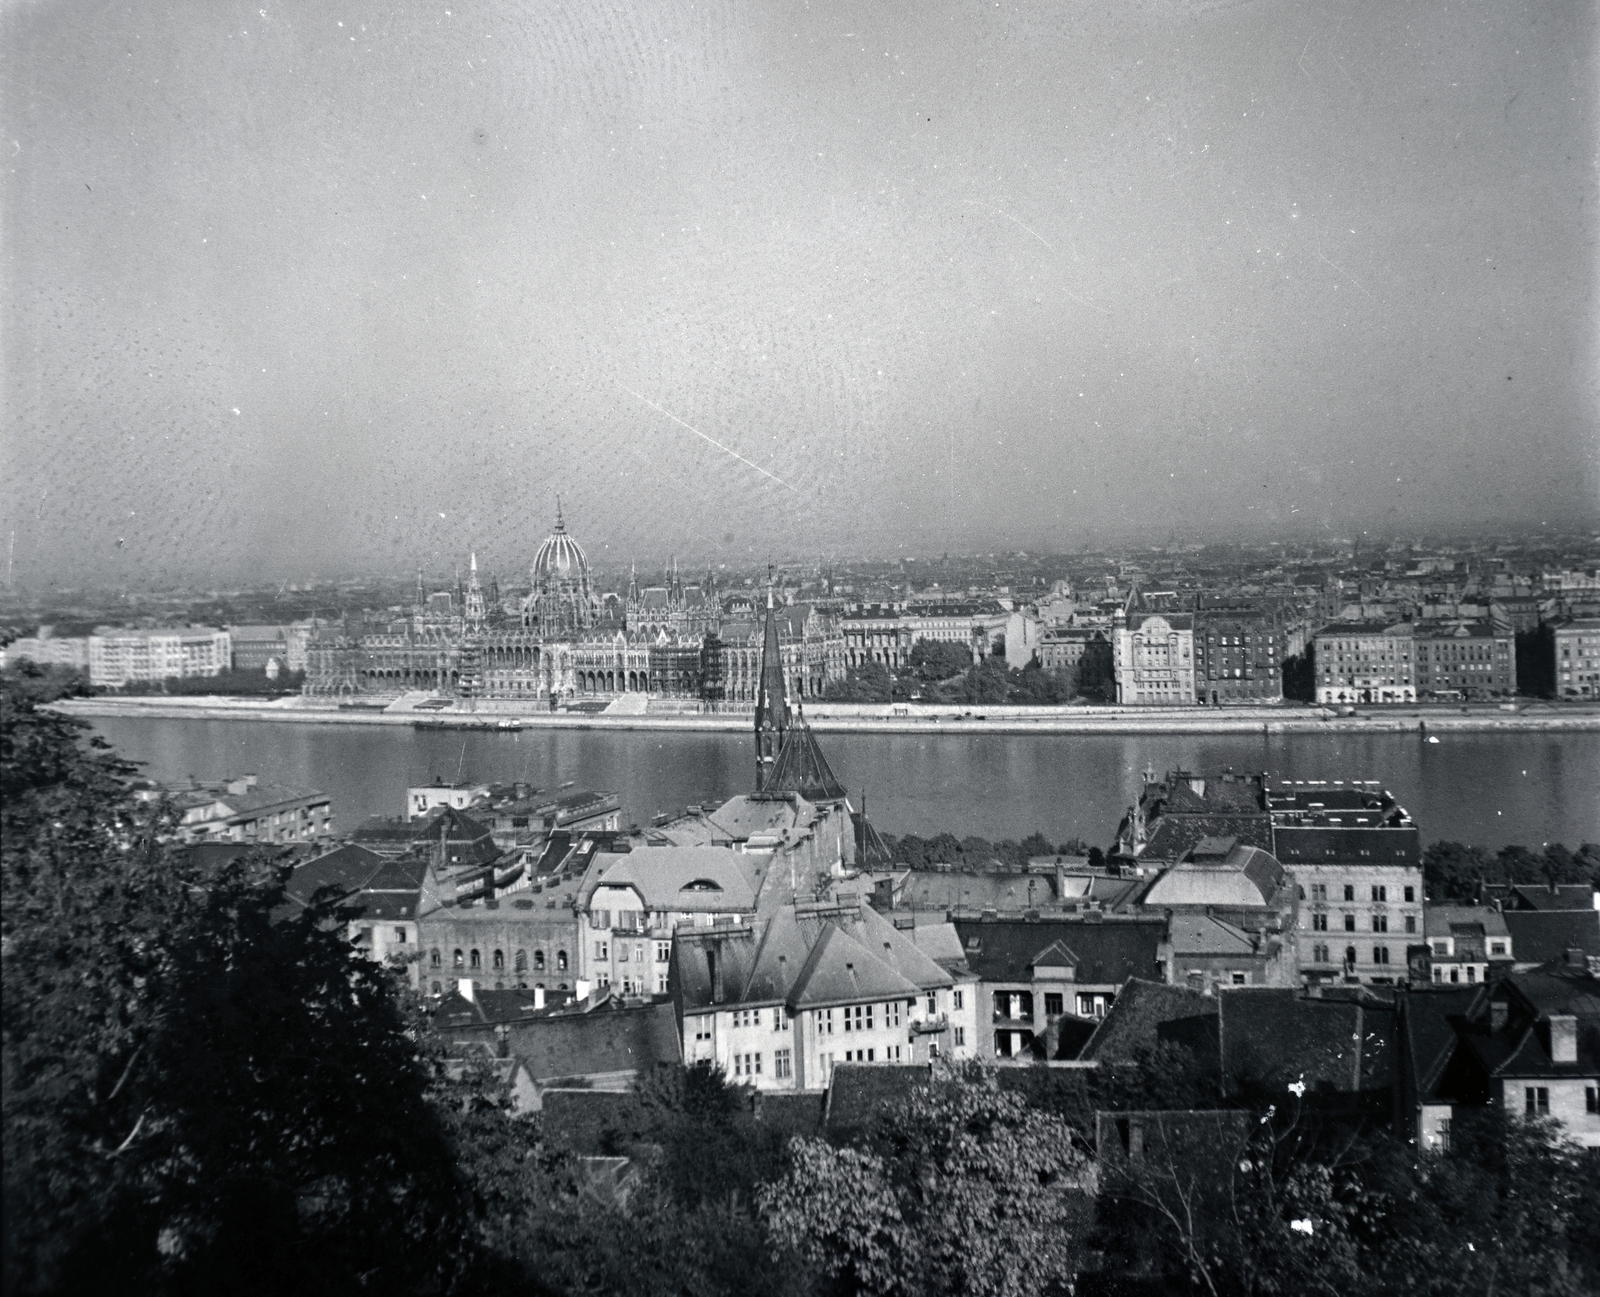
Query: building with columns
point(567, 640)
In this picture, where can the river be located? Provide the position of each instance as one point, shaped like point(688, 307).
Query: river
point(1483, 788)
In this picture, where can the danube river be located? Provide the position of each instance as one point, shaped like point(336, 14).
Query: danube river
point(1484, 788)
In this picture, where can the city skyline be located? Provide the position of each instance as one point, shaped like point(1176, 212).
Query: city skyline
point(294, 290)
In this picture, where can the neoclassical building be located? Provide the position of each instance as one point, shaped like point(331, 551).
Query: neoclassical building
point(565, 639)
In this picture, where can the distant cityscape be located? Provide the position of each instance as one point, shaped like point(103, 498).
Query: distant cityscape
point(1179, 625)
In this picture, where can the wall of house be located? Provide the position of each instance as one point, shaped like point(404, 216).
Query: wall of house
point(1569, 1104)
point(1402, 919)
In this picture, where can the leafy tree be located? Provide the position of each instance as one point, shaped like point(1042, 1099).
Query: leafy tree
point(868, 683)
point(200, 1092)
point(1300, 676)
point(987, 682)
point(963, 1189)
point(935, 660)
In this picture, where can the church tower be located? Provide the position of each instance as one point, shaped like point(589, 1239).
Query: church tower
point(473, 603)
point(772, 701)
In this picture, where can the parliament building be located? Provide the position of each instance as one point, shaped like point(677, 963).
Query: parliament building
point(565, 640)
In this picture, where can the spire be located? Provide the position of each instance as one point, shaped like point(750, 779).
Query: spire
point(772, 702)
point(561, 522)
point(473, 605)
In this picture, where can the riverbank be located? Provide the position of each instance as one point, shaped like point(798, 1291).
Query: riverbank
point(866, 719)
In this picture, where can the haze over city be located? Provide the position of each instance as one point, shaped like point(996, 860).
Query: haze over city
point(308, 287)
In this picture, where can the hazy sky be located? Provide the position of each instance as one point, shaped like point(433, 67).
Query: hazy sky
point(328, 287)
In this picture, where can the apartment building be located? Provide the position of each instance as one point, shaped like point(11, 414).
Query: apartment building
point(1365, 662)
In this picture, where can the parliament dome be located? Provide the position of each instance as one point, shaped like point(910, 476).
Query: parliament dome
point(560, 558)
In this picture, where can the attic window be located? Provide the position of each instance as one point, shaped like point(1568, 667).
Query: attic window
point(701, 885)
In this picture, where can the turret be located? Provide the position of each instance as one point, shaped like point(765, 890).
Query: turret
point(772, 701)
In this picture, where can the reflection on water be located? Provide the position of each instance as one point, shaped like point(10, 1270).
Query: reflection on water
point(1489, 789)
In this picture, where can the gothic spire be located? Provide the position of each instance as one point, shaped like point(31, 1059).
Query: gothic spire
point(772, 702)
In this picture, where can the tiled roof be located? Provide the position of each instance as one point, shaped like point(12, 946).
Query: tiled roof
point(692, 879)
point(1109, 951)
point(859, 1092)
point(1172, 837)
point(1202, 934)
point(1539, 936)
point(932, 890)
point(1145, 1013)
point(1449, 920)
point(1272, 1037)
point(748, 815)
point(1431, 1017)
point(1562, 896)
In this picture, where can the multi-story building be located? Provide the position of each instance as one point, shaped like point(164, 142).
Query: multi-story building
point(1154, 658)
point(243, 809)
point(122, 656)
point(1357, 857)
point(1238, 654)
point(1365, 662)
point(255, 646)
point(876, 633)
point(1468, 660)
point(1577, 649)
point(570, 642)
point(46, 649)
point(1036, 978)
point(1460, 944)
point(1083, 652)
point(775, 1001)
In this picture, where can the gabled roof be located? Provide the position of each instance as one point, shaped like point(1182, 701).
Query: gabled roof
point(1146, 1013)
point(859, 1092)
point(941, 943)
point(1109, 951)
point(1462, 920)
point(1173, 836)
point(748, 815)
point(1431, 1018)
point(1559, 896)
point(801, 768)
point(1055, 955)
point(354, 871)
point(842, 971)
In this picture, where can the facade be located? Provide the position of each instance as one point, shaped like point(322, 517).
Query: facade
point(1067, 648)
point(1470, 661)
point(1460, 944)
point(776, 1001)
point(44, 649)
point(1357, 857)
point(120, 656)
point(245, 810)
point(1577, 649)
point(1154, 658)
point(1238, 654)
point(568, 642)
point(1365, 662)
point(255, 646)
point(1039, 979)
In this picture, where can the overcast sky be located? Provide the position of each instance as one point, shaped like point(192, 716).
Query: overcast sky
point(329, 287)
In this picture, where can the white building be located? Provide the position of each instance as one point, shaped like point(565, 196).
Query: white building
point(44, 649)
point(120, 656)
point(1154, 658)
point(1577, 651)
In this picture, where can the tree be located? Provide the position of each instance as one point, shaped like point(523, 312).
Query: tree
point(201, 1092)
point(935, 660)
point(868, 683)
point(963, 1189)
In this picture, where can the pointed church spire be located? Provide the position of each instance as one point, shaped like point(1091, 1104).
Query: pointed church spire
point(772, 702)
point(561, 522)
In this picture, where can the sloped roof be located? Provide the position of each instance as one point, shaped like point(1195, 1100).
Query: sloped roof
point(1447, 920)
point(941, 943)
point(1203, 934)
point(1271, 1037)
point(1173, 836)
point(748, 815)
point(1561, 896)
point(801, 768)
point(859, 1092)
point(871, 849)
point(1432, 1015)
point(1109, 951)
point(1247, 876)
point(927, 889)
point(1539, 936)
point(698, 879)
point(353, 871)
point(1145, 1013)
point(842, 971)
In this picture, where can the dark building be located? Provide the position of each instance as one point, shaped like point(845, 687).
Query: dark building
point(1473, 660)
point(1238, 652)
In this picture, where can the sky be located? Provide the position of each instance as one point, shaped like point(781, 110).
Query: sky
point(321, 288)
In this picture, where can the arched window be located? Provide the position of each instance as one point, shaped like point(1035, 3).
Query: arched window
point(434, 961)
point(476, 959)
point(561, 961)
point(522, 961)
point(458, 958)
point(538, 961)
point(499, 960)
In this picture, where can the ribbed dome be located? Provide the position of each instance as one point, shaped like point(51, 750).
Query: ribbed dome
point(560, 558)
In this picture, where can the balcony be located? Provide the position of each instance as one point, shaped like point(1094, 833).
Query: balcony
point(932, 1026)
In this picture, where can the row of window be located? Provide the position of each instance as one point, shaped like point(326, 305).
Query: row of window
point(1320, 955)
point(1012, 1005)
point(1380, 923)
point(749, 1065)
point(1380, 891)
point(602, 951)
point(497, 959)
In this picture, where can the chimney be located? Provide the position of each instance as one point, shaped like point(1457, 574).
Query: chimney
point(714, 969)
point(538, 997)
point(466, 990)
point(1563, 1038)
point(1576, 958)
